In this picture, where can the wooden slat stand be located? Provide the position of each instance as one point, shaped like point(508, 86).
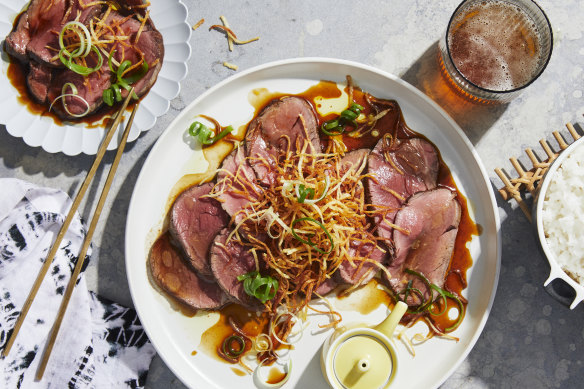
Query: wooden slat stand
point(527, 181)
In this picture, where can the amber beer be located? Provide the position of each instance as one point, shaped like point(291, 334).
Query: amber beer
point(493, 49)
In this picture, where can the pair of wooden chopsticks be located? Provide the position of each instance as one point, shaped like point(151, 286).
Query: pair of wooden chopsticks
point(81, 259)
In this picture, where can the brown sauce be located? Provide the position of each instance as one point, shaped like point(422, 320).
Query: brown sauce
point(365, 299)
point(369, 297)
point(238, 372)
point(250, 323)
point(275, 376)
point(17, 75)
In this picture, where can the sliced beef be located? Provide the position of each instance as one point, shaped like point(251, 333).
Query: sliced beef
point(38, 81)
point(89, 96)
point(172, 274)
point(228, 261)
point(397, 170)
point(138, 6)
point(424, 241)
point(355, 160)
point(46, 19)
point(361, 270)
point(282, 125)
point(16, 42)
point(151, 45)
point(326, 287)
point(148, 46)
point(194, 222)
point(236, 181)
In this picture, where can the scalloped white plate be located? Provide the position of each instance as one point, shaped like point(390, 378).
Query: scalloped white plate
point(175, 335)
point(169, 16)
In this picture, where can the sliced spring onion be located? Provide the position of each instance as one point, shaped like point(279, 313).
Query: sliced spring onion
point(349, 115)
point(430, 304)
point(117, 92)
point(309, 197)
point(137, 75)
point(71, 86)
point(74, 93)
point(113, 94)
point(309, 241)
point(80, 69)
point(65, 106)
point(263, 288)
point(348, 118)
point(233, 346)
point(122, 68)
point(205, 135)
point(332, 127)
point(110, 59)
point(297, 329)
point(287, 188)
point(84, 39)
point(263, 343)
point(85, 47)
point(304, 192)
point(108, 96)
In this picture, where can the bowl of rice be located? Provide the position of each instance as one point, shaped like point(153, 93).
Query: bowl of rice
point(559, 218)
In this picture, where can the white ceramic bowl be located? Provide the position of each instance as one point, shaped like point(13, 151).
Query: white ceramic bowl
point(556, 271)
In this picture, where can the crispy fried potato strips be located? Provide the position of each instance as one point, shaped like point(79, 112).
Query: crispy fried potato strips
point(274, 216)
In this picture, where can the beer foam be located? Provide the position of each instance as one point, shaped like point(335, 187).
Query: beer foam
point(495, 45)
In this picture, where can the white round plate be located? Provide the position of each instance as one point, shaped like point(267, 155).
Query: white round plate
point(175, 336)
point(170, 18)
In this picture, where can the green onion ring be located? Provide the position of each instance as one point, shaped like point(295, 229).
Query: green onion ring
point(122, 68)
point(338, 126)
point(228, 346)
point(62, 96)
point(332, 127)
point(108, 96)
point(110, 58)
point(138, 75)
point(263, 288)
point(357, 108)
point(84, 42)
point(349, 115)
point(205, 135)
point(444, 301)
point(79, 69)
point(443, 294)
point(305, 192)
point(327, 183)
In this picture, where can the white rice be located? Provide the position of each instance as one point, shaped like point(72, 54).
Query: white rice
point(563, 215)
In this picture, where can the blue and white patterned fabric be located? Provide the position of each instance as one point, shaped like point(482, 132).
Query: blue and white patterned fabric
point(100, 344)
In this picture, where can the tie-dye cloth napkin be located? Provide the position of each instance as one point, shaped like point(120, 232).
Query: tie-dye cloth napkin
point(101, 344)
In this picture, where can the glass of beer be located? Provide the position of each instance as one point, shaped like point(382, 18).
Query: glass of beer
point(493, 49)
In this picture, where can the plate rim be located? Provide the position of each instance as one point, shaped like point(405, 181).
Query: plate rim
point(335, 61)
